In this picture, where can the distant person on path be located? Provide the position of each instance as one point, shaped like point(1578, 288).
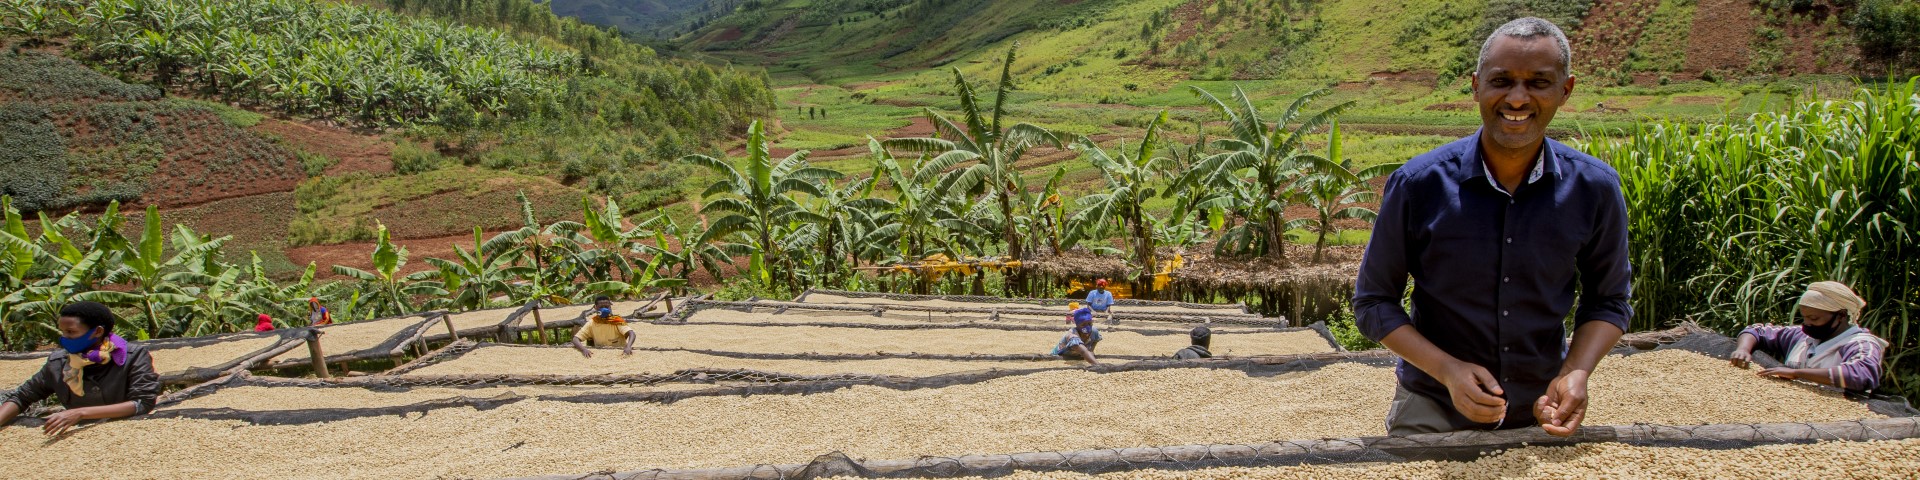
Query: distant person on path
point(263, 324)
point(1202, 338)
point(95, 374)
point(316, 314)
point(1080, 340)
point(1826, 348)
point(1101, 300)
point(1500, 231)
point(603, 329)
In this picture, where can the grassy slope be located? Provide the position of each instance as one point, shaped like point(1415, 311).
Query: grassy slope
point(1099, 78)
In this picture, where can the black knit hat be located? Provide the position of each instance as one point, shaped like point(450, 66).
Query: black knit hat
point(1201, 335)
point(93, 314)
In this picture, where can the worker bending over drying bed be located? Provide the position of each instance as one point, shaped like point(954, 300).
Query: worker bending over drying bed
point(1202, 338)
point(1080, 341)
point(96, 375)
point(603, 329)
point(1826, 348)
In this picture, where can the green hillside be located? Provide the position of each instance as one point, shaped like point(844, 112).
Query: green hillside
point(645, 18)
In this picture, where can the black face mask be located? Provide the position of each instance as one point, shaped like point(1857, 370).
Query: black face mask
point(1825, 332)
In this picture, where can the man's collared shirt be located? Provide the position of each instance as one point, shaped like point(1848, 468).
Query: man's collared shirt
point(1495, 274)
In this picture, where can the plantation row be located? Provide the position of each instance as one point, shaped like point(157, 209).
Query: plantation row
point(502, 81)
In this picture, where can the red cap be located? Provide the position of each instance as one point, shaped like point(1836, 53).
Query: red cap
point(1101, 282)
point(264, 318)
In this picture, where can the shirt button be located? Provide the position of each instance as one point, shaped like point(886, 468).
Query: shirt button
point(1503, 313)
point(1505, 279)
point(1506, 349)
point(1509, 239)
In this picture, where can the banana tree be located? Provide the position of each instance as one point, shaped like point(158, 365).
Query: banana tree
point(1334, 192)
point(1130, 182)
point(147, 264)
point(388, 288)
point(68, 283)
point(1268, 160)
point(835, 214)
point(997, 150)
point(759, 200)
point(474, 276)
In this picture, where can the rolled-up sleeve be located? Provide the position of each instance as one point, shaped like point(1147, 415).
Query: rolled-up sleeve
point(1606, 271)
point(143, 384)
point(1773, 339)
point(1383, 270)
point(36, 388)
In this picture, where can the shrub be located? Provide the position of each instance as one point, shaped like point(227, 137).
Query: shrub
point(315, 164)
point(409, 159)
point(33, 156)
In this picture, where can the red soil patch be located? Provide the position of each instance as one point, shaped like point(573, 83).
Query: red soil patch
point(728, 35)
point(354, 152)
point(1721, 36)
point(918, 127)
point(1610, 28)
point(357, 255)
point(202, 158)
point(1697, 100)
point(1188, 17)
point(868, 85)
point(1422, 77)
point(1452, 107)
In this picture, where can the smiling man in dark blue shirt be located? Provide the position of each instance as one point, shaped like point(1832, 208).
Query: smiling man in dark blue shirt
point(1499, 231)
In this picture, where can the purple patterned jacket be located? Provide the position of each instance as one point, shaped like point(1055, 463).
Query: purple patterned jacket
point(1855, 365)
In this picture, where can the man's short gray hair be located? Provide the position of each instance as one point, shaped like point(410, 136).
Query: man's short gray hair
point(1529, 28)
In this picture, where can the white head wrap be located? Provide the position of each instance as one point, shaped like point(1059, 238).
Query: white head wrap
point(1833, 297)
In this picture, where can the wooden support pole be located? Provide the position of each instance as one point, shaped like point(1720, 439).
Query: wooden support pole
point(317, 356)
point(538, 323)
point(420, 340)
point(452, 334)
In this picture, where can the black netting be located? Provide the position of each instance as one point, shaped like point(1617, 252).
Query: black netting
point(1459, 446)
point(1047, 302)
point(403, 335)
point(682, 314)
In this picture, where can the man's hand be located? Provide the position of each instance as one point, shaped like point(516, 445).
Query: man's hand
point(1564, 406)
point(1475, 393)
point(1740, 358)
point(1781, 373)
point(628, 352)
point(59, 423)
point(586, 353)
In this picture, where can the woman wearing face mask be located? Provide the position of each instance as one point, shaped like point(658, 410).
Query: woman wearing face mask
point(1826, 348)
point(603, 329)
point(96, 374)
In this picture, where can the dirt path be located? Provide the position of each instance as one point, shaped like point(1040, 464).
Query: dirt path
point(354, 152)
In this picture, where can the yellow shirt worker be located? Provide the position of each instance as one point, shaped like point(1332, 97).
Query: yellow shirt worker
point(603, 329)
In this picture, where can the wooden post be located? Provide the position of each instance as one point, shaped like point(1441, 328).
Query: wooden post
point(451, 333)
point(539, 324)
point(316, 355)
point(669, 299)
point(420, 340)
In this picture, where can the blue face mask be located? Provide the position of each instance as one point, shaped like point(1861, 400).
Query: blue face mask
point(77, 345)
point(606, 312)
